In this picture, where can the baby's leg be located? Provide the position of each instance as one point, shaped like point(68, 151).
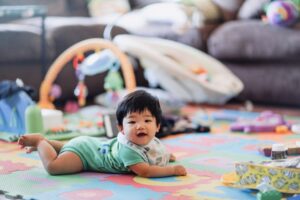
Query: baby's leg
point(29, 142)
point(65, 163)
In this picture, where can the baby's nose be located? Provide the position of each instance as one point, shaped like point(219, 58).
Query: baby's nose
point(140, 126)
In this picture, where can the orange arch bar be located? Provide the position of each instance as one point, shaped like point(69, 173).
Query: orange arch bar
point(68, 54)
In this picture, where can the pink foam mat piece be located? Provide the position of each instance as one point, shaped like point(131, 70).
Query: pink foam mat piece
point(7, 167)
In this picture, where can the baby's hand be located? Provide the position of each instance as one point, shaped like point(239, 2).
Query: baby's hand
point(179, 170)
point(172, 158)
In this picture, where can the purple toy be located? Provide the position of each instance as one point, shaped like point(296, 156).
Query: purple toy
point(267, 121)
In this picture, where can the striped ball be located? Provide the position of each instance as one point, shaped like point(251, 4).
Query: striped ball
point(282, 13)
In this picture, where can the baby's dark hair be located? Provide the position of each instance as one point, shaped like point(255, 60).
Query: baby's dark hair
point(138, 101)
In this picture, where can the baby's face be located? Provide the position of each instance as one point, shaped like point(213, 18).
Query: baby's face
point(139, 128)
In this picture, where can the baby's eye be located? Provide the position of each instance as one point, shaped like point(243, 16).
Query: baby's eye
point(131, 122)
point(148, 120)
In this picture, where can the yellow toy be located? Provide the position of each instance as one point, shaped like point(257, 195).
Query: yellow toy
point(279, 174)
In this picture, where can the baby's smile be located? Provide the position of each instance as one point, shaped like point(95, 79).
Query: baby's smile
point(141, 134)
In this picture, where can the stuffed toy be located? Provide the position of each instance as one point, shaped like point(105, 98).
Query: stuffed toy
point(282, 13)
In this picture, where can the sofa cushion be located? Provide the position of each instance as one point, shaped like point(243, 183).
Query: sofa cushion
point(69, 34)
point(254, 40)
point(21, 43)
point(77, 8)
point(269, 82)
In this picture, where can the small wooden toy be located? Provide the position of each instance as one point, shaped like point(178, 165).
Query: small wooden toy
point(293, 149)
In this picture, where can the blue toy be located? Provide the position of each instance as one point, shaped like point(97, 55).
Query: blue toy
point(14, 100)
point(99, 62)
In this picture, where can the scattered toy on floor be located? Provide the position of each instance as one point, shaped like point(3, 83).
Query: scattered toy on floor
point(15, 97)
point(295, 128)
point(292, 149)
point(174, 124)
point(267, 192)
point(34, 119)
point(279, 151)
point(267, 121)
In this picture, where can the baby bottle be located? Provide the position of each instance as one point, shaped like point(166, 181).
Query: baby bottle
point(33, 120)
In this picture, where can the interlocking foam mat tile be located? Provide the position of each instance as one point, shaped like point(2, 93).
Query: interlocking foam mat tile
point(207, 156)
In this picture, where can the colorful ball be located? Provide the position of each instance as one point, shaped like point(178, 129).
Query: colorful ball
point(282, 13)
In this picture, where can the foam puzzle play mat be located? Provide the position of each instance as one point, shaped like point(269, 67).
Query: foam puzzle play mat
point(221, 164)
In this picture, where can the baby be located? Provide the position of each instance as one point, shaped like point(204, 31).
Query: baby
point(135, 149)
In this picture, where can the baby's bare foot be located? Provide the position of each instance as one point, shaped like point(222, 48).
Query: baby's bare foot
point(30, 140)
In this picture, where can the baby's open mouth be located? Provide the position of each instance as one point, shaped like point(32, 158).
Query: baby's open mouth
point(141, 134)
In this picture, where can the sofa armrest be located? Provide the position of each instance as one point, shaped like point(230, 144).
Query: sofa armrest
point(55, 7)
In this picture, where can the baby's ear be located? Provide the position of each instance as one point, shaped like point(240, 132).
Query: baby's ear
point(120, 128)
point(158, 127)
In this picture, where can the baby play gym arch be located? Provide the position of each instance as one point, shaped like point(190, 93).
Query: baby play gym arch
point(94, 44)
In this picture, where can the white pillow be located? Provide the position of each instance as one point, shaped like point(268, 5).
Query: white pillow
point(251, 8)
point(107, 7)
point(209, 10)
point(229, 5)
point(167, 13)
point(178, 16)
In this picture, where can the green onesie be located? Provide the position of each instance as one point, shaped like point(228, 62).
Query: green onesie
point(103, 156)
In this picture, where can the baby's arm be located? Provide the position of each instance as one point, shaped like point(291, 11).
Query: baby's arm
point(146, 170)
